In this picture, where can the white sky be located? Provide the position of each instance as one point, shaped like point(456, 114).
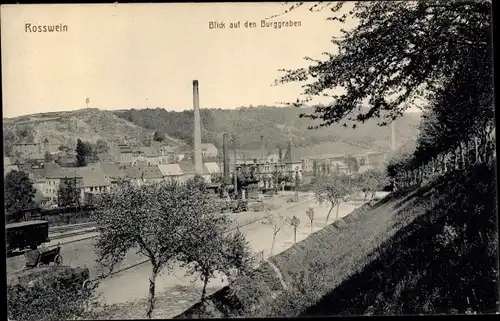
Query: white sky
point(147, 55)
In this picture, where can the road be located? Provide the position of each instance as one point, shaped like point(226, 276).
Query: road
point(132, 284)
point(81, 253)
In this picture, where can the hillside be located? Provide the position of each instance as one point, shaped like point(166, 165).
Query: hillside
point(429, 250)
point(66, 127)
point(277, 125)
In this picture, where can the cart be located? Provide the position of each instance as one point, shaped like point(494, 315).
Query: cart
point(43, 256)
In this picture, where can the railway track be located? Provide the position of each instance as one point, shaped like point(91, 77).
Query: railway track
point(230, 230)
point(67, 228)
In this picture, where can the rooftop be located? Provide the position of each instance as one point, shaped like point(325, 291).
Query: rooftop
point(187, 167)
point(143, 172)
point(170, 169)
point(212, 167)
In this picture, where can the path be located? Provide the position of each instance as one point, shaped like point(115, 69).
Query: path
point(133, 285)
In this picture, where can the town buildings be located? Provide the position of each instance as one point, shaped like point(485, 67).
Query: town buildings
point(158, 163)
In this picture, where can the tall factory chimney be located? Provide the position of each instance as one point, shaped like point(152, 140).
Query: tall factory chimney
point(393, 136)
point(288, 156)
point(225, 151)
point(198, 166)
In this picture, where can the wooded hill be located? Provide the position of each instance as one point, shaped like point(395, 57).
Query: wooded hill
point(276, 124)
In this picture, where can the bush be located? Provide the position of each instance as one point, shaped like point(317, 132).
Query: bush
point(56, 293)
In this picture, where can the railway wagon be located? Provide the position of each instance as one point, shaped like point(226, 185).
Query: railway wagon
point(26, 234)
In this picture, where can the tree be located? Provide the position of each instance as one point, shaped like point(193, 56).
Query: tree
point(296, 187)
point(352, 163)
point(294, 222)
point(371, 181)
point(216, 251)
point(83, 152)
point(48, 157)
point(310, 215)
point(101, 146)
point(18, 192)
point(277, 222)
point(397, 53)
point(58, 297)
point(332, 189)
point(160, 220)
point(69, 192)
point(159, 137)
point(147, 141)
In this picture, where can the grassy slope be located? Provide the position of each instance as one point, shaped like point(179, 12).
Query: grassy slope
point(420, 251)
point(445, 261)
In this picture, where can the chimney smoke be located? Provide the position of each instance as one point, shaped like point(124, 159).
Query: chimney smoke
point(197, 130)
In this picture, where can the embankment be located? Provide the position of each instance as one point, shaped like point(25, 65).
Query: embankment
point(429, 250)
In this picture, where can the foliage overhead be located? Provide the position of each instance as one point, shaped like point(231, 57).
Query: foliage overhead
point(399, 52)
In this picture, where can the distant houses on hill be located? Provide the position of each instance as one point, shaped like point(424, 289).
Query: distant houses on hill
point(158, 163)
point(100, 177)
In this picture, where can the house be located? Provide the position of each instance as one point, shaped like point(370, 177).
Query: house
point(320, 160)
point(126, 154)
point(94, 180)
point(143, 174)
point(67, 158)
point(208, 150)
point(49, 177)
point(8, 166)
point(52, 173)
point(171, 171)
point(164, 154)
point(214, 170)
point(111, 172)
point(20, 162)
point(37, 176)
point(364, 168)
point(107, 157)
point(188, 171)
point(40, 199)
point(338, 167)
point(28, 150)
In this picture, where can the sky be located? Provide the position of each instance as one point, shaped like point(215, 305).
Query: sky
point(124, 56)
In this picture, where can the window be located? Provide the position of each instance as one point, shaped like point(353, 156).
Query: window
point(91, 189)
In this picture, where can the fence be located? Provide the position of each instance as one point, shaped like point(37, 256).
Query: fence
point(466, 154)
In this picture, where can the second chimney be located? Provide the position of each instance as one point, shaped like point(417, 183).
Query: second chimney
point(225, 151)
point(198, 166)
